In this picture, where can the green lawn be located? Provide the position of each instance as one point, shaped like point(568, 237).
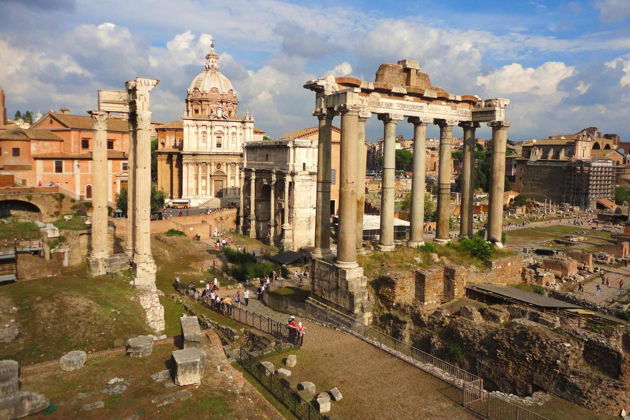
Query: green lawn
point(76, 223)
point(70, 312)
point(19, 230)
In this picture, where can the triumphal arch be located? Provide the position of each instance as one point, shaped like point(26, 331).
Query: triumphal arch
point(400, 92)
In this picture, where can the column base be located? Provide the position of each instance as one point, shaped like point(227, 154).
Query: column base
point(386, 248)
point(498, 244)
point(441, 241)
point(97, 266)
point(346, 265)
point(415, 244)
point(144, 271)
point(361, 251)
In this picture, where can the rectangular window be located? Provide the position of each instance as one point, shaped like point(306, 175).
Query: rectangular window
point(125, 166)
point(219, 142)
point(110, 144)
point(59, 166)
point(16, 151)
point(333, 176)
point(85, 143)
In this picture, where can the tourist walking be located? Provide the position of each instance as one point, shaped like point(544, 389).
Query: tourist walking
point(580, 287)
point(246, 296)
point(300, 334)
point(598, 289)
point(620, 284)
point(238, 299)
point(228, 305)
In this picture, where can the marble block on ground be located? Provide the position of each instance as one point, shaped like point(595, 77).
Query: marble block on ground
point(141, 346)
point(283, 373)
point(191, 331)
point(73, 360)
point(188, 364)
point(9, 382)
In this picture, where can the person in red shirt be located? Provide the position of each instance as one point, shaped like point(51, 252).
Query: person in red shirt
point(292, 326)
point(620, 284)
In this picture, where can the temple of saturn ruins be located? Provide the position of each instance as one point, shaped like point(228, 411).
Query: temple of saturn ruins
point(401, 91)
point(134, 102)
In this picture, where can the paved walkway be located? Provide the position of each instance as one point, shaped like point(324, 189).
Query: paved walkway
point(374, 384)
point(608, 293)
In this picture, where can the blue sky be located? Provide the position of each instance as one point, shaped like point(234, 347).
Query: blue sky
point(565, 65)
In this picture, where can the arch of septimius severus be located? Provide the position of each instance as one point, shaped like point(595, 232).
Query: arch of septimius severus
point(400, 92)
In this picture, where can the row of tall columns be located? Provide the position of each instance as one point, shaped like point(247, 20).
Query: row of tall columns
point(100, 248)
point(241, 209)
point(352, 178)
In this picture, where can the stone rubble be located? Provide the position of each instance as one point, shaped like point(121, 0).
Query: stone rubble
point(191, 331)
point(9, 382)
point(73, 360)
point(291, 360)
point(93, 406)
point(140, 346)
point(115, 386)
point(335, 394)
point(283, 373)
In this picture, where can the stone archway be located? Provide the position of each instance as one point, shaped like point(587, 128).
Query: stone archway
point(21, 209)
point(607, 147)
point(596, 146)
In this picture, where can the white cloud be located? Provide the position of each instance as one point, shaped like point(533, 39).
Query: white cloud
point(613, 10)
point(624, 64)
point(514, 78)
point(343, 69)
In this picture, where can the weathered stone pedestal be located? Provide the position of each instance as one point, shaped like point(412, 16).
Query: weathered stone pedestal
point(188, 364)
point(345, 289)
point(191, 331)
point(14, 403)
point(99, 266)
point(9, 382)
point(140, 346)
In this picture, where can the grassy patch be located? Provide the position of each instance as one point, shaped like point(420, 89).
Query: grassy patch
point(70, 312)
point(214, 405)
point(76, 223)
point(19, 230)
point(174, 232)
point(533, 288)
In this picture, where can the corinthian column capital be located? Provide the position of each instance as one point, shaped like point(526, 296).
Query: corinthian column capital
point(499, 124)
point(389, 117)
point(446, 122)
point(420, 120)
point(100, 119)
point(469, 124)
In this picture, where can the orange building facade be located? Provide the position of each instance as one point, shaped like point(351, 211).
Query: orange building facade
point(57, 150)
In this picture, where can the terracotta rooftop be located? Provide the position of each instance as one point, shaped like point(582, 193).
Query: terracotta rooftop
point(311, 133)
point(111, 154)
point(172, 125)
point(258, 130)
point(15, 133)
point(84, 122)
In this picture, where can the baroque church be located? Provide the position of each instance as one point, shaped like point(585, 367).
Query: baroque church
point(200, 158)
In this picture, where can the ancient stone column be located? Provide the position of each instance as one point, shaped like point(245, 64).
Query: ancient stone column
point(272, 204)
point(131, 181)
point(324, 170)
point(497, 181)
point(286, 227)
point(418, 186)
point(347, 237)
point(444, 180)
point(252, 204)
point(467, 185)
point(362, 167)
point(100, 249)
point(140, 119)
point(241, 209)
point(386, 242)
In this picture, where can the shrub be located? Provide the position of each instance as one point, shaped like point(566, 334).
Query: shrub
point(174, 232)
point(538, 289)
point(477, 247)
point(455, 352)
point(427, 247)
point(624, 315)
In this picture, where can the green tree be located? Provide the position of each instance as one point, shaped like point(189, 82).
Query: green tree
point(157, 200)
point(28, 117)
point(520, 200)
point(154, 147)
point(621, 195)
point(18, 115)
point(404, 159)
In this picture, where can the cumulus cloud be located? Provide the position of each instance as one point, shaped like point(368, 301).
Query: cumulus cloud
point(343, 69)
point(514, 78)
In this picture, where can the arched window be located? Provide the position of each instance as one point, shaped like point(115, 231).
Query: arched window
point(88, 191)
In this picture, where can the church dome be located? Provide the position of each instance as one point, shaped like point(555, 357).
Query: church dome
point(211, 77)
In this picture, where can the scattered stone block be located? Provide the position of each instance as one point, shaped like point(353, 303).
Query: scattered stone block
point(323, 402)
point(141, 346)
point(188, 364)
point(471, 313)
point(270, 368)
point(291, 360)
point(434, 257)
point(306, 386)
point(163, 400)
point(161, 376)
point(335, 394)
point(73, 360)
point(283, 373)
point(191, 331)
point(93, 406)
point(22, 404)
point(9, 382)
point(115, 386)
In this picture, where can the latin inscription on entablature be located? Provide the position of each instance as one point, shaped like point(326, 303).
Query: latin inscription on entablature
point(414, 109)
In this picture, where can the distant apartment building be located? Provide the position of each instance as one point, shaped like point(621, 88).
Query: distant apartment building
point(578, 169)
